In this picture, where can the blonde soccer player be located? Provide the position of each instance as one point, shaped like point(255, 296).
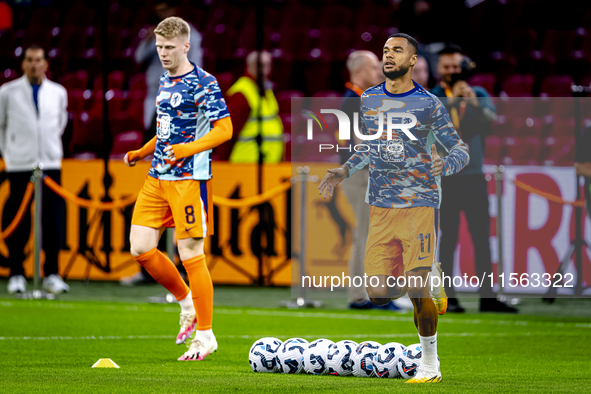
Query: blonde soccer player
point(192, 119)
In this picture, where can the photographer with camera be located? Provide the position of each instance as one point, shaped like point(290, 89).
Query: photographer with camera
point(472, 112)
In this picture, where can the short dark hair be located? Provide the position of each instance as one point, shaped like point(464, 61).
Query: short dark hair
point(450, 49)
point(34, 47)
point(413, 43)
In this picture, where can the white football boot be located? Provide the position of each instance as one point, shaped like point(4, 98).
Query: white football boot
point(17, 284)
point(55, 284)
point(199, 349)
point(188, 323)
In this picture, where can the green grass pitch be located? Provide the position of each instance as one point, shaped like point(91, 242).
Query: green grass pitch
point(50, 346)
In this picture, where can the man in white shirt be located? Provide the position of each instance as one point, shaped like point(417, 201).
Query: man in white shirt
point(33, 116)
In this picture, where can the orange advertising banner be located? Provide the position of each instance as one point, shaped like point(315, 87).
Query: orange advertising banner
point(231, 252)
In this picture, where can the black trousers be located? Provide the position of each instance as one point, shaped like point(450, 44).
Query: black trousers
point(467, 193)
point(52, 208)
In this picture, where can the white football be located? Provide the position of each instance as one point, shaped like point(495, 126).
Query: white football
point(338, 359)
point(315, 356)
point(408, 362)
point(363, 359)
point(406, 367)
point(290, 355)
point(262, 356)
point(385, 359)
point(414, 351)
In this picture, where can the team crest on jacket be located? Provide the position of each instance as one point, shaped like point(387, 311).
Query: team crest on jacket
point(176, 100)
point(393, 150)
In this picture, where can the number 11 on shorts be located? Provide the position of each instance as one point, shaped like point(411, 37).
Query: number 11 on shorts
point(427, 238)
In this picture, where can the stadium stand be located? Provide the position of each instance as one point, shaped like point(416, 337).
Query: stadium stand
point(531, 58)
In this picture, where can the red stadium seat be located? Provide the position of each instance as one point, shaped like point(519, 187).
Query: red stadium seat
point(115, 81)
point(46, 17)
point(138, 83)
point(79, 16)
point(335, 16)
point(492, 152)
point(39, 35)
point(559, 127)
point(317, 75)
point(516, 108)
point(225, 80)
point(296, 16)
point(72, 42)
point(126, 141)
point(284, 100)
point(118, 41)
point(521, 42)
point(7, 44)
point(296, 42)
point(7, 76)
point(518, 85)
point(75, 80)
point(197, 16)
point(282, 70)
point(562, 107)
point(485, 80)
point(123, 121)
point(118, 102)
point(87, 134)
point(500, 127)
point(335, 42)
point(559, 150)
point(221, 41)
point(521, 150)
point(76, 101)
point(559, 44)
point(527, 127)
point(119, 16)
point(556, 86)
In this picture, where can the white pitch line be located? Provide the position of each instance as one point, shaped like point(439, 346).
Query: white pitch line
point(365, 336)
point(409, 319)
point(323, 315)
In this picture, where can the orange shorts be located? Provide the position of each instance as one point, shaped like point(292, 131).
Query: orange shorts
point(400, 240)
point(186, 205)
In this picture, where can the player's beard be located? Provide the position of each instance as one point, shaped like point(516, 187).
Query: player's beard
point(396, 73)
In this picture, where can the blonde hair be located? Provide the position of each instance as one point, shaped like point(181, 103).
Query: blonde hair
point(172, 27)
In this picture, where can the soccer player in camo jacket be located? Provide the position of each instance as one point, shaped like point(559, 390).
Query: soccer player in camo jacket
point(192, 119)
point(404, 192)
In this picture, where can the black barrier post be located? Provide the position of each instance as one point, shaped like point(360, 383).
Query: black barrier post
point(107, 179)
point(260, 14)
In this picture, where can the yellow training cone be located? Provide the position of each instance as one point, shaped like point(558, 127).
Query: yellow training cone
point(105, 363)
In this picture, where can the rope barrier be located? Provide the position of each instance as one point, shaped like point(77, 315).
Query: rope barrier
point(100, 205)
point(108, 206)
point(254, 200)
point(547, 196)
point(20, 214)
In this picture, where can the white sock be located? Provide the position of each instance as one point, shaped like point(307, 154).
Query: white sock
point(429, 348)
point(204, 335)
point(187, 304)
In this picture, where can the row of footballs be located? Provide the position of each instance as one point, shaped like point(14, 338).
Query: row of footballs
point(344, 358)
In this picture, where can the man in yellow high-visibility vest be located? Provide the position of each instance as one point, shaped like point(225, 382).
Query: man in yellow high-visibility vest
point(244, 103)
